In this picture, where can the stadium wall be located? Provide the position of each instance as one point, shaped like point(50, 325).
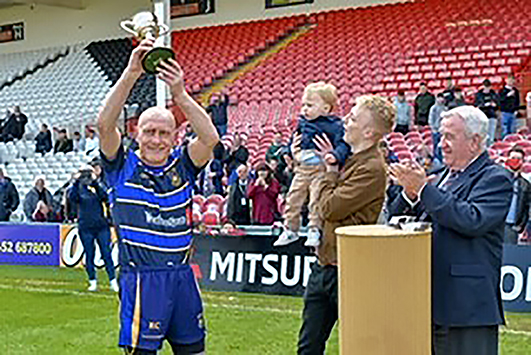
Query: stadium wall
point(48, 26)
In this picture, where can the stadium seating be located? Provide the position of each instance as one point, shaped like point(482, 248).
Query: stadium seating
point(112, 57)
point(208, 53)
point(67, 93)
point(385, 48)
point(17, 64)
point(378, 49)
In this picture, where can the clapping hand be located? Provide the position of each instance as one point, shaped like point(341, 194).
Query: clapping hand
point(410, 175)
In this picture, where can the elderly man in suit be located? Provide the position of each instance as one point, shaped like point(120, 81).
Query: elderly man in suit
point(467, 204)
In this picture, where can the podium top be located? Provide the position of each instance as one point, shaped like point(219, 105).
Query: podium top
point(378, 231)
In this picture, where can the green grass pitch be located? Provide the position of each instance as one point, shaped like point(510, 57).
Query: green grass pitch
point(47, 311)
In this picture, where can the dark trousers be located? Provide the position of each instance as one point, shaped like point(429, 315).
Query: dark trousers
point(103, 237)
point(465, 340)
point(422, 119)
point(402, 128)
point(320, 310)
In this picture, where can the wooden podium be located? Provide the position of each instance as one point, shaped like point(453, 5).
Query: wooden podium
point(384, 291)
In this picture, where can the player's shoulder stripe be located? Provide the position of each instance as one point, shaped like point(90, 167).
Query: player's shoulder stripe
point(155, 232)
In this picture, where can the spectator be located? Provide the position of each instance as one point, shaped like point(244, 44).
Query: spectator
point(509, 104)
point(449, 93)
point(216, 169)
point(238, 204)
point(63, 143)
point(487, 101)
point(38, 193)
point(218, 113)
point(43, 140)
point(403, 111)
point(92, 142)
point(91, 200)
point(263, 192)
point(15, 125)
point(423, 103)
point(239, 154)
point(276, 150)
point(459, 99)
point(518, 215)
point(79, 142)
point(435, 122)
point(467, 205)
point(9, 199)
point(281, 175)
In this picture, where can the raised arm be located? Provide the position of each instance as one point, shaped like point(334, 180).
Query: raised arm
point(108, 118)
point(200, 149)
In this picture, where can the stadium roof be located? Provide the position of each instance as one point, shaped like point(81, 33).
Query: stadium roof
point(73, 4)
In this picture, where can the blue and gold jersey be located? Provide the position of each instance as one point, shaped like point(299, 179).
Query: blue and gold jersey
point(151, 206)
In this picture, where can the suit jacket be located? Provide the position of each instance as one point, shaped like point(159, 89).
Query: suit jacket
point(523, 199)
point(468, 227)
point(354, 197)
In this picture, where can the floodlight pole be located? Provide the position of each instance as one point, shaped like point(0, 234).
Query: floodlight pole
point(161, 9)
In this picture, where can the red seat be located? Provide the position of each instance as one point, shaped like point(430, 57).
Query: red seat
point(217, 199)
point(196, 217)
point(199, 201)
point(211, 218)
point(512, 138)
point(526, 168)
point(404, 155)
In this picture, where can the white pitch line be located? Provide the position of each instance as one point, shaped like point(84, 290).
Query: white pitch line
point(516, 332)
point(209, 304)
point(108, 296)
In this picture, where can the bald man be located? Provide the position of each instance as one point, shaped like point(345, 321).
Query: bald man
point(151, 194)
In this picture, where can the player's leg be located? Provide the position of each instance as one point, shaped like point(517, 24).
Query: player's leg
point(320, 310)
point(87, 239)
point(145, 307)
point(135, 351)
point(186, 333)
point(188, 349)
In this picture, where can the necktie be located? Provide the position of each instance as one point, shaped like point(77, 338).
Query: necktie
point(511, 216)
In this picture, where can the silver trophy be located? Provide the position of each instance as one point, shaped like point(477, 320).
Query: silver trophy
point(146, 25)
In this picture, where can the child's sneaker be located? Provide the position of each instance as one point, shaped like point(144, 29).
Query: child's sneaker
point(288, 236)
point(313, 237)
point(93, 286)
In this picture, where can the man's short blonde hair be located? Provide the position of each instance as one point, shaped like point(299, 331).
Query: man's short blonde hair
point(327, 92)
point(382, 110)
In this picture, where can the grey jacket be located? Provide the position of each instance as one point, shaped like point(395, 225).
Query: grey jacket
point(31, 200)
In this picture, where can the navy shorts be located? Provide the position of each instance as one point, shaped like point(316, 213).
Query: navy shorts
point(160, 303)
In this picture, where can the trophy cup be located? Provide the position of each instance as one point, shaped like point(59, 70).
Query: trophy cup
point(145, 25)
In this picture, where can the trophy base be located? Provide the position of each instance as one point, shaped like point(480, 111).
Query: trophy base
point(151, 60)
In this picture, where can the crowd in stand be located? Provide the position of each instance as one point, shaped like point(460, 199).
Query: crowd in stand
point(500, 107)
point(254, 194)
